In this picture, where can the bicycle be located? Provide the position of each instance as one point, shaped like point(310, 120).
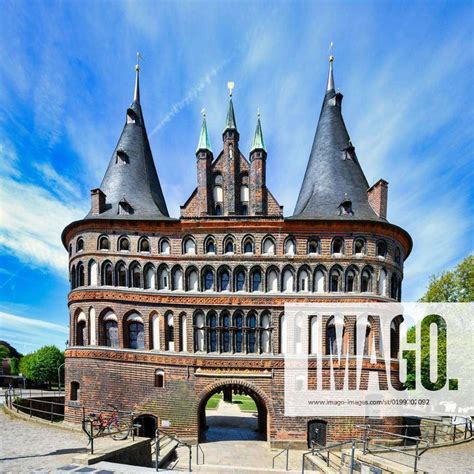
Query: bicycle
point(101, 422)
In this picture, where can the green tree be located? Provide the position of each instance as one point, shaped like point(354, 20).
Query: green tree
point(42, 366)
point(4, 352)
point(25, 365)
point(455, 286)
point(14, 366)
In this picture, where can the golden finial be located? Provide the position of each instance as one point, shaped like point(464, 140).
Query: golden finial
point(331, 57)
point(230, 86)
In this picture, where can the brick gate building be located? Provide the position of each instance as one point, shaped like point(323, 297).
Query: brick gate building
point(165, 312)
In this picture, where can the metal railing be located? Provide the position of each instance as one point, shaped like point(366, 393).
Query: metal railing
point(199, 448)
point(318, 451)
point(180, 443)
point(286, 450)
point(26, 405)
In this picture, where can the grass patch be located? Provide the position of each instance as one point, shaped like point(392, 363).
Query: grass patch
point(213, 402)
point(245, 403)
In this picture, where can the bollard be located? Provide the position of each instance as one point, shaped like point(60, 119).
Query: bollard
point(352, 456)
point(190, 458)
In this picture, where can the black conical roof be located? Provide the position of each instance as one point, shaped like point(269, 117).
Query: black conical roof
point(334, 185)
point(131, 176)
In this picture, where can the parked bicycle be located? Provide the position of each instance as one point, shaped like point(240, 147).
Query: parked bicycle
point(109, 422)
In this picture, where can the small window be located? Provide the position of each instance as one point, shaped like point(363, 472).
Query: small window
point(208, 280)
point(218, 210)
point(290, 247)
point(189, 246)
point(398, 256)
point(229, 246)
point(359, 246)
point(80, 244)
point(338, 246)
point(144, 245)
point(248, 246)
point(313, 247)
point(125, 208)
point(210, 246)
point(104, 243)
point(124, 244)
point(164, 247)
point(159, 378)
point(381, 248)
point(345, 208)
point(245, 210)
point(75, 391)
point(244, 193)
point(122, 157)
point(256, 281)
point(131, 116)
point(268, 247)
point(240, 281)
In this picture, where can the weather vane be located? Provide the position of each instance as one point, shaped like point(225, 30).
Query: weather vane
point(139, 56)
point(230, 86)
point(331, 47)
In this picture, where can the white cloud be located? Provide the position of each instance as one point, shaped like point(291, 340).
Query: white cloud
point(22, 323)
point(57, 183)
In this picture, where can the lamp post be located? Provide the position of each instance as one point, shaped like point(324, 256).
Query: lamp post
point(59, 375)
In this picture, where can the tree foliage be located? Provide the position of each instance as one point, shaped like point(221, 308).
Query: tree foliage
point(42, 366)
point(4, 352)
point(14, 366)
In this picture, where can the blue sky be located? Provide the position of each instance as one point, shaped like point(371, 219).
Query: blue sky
point(66, 79)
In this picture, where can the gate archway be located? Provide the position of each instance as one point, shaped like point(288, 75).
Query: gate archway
point(238, 388)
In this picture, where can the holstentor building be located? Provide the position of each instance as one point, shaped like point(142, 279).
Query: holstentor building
point(165, 312)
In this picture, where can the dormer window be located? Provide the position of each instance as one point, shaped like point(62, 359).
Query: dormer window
point(124, 208)
point(349, 153)
point(131, 116)
point(122, 157)
point(345, 208)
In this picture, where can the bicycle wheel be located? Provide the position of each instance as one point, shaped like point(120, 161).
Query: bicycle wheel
point(122, 428)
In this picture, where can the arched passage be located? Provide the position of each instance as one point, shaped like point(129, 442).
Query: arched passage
point(146, 425)
point(224, 428)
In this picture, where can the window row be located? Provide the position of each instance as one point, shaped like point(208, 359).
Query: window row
point(247, 246)
point(224, 279)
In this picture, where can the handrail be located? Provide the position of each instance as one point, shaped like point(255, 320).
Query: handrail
point(174, 437)
point(276, 455)
point(318, 452)
point(199, 448)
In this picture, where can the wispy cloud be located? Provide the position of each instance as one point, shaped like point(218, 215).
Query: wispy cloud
point(190, 96)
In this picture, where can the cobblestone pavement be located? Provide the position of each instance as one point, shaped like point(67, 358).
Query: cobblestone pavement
point(458, 459)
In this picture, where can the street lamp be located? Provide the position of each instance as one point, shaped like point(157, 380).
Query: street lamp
point(59, 375)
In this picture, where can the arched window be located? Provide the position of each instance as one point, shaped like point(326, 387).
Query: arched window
point(121, 274)
point(313, 335)
point(217, 192)
point(177, 279)
point(244, 193)
point(369, 342)
point(268, 246)
point(256, 280)
point(107, 274)
point(337, 246)
point(80, 274)
point(210, 246)
point(149, 276)
point(350, 280)
point(111, 330)
point(319, 281)
point(247, 246)
point(93, 273)
point(225, 332)
point(144, 245)
point(394, 287)
point(331, 337)
point(288, 281)
point(381, 248)
point(183, 339)
point(229, 246)
point(303, 280)
point(395, 337)
point(359, 246)
point(169, 332)
point(366, 281)
point(335, 280)
point(218, 210)
point(383, 282)
point(224, 281)
point(73, 277)
point(159, 378)
point(75, 391)
point(136, 331)
point(80, 244)
point(70, 249)
point(135, 276)
point(238, 336)
point(163, 278)
point(212, 332)
point(124, 244)
point(283, 333)
point(199, 332)
point(313, 246)
point(164, 247)
point(272, 281)
point(265, 334)
point(251, 334)
point(189, 246)
point(240, 281)
point(104, 243)
point(290, 246)
point(192, 280)
point(81, 330)
point(398, 256)
point(155, 325)
point(208, 280)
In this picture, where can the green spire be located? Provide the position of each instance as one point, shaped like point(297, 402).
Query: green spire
point(258, 142)
point(204, 142)
point(230, 123)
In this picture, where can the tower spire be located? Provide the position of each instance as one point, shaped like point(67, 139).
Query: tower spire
point(230, 123)
point(330, 86)
point(258, 142)
point(136, 94)
point(204, 142)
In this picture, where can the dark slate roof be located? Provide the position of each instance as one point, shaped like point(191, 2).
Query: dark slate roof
point(333, 175)
point(136, 181)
